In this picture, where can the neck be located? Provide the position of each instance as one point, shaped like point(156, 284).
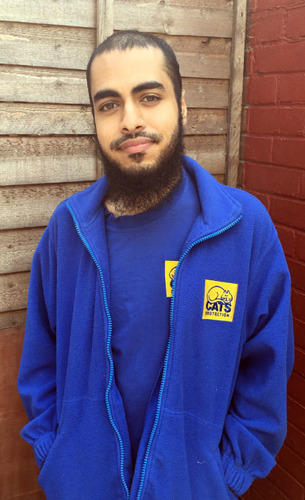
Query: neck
point(132, 202)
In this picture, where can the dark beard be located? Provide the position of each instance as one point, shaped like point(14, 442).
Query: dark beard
point(142, 187)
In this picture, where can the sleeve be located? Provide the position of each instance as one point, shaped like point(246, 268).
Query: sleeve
point(255, 426)
point(37, 373)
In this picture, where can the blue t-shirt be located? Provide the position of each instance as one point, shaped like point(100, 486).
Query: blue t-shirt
point(143, 251)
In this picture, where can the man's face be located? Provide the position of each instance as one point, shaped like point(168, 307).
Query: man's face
point(135, 107)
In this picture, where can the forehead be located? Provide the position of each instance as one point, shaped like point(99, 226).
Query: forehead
point(125, 69)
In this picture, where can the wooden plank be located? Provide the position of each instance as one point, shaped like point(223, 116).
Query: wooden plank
point(46, 46)
point(58, 12)
point(209, 151)
point(206, 121)
point(13, 291)
point(12, 319)
point(17, 247)
point(39, 160)
point(104, 20)
point(159, 17)
point(201, 57)
point(45, 119)
point(197, 4)
point(32, 206)
point(43, 85)
point(236, 91)
point(198, 44)
point(202, 66)
point(206, 93)
point(59, 86)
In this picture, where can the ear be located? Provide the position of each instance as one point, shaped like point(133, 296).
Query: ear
point(183, 109)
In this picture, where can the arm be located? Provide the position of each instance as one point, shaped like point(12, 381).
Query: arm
point(255, 426)
point(37, 374)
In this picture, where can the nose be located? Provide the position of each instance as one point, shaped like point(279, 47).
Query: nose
point(132, 120)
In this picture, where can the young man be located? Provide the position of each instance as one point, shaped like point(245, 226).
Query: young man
point(158, 340)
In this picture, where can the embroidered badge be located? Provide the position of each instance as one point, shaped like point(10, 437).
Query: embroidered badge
point(170, 269)
point(219, 300)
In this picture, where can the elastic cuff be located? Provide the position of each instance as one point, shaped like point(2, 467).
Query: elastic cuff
point(238, 480)
point(42, 448)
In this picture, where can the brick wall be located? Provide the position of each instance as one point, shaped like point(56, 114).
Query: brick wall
point(273, 168)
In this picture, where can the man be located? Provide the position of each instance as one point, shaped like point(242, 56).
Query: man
point(158, 340)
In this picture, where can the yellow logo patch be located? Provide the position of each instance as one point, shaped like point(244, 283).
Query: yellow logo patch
point(219, 300)
point(170, 269)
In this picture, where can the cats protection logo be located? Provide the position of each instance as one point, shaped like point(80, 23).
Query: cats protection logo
point(170, 269)
point(219, 300)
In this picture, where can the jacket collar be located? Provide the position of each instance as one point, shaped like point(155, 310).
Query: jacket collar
point(219, 208)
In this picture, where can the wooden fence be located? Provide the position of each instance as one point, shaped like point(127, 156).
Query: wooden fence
point(47, 148)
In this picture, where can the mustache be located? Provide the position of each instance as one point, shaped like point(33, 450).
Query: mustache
point(153, 136)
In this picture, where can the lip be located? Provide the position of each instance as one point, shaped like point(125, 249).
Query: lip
point(136, 145)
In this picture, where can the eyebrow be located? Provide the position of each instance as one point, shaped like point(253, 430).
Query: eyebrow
point(102, 94)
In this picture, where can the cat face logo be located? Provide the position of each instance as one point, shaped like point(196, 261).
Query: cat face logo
point(219, 300)
point(170, 269)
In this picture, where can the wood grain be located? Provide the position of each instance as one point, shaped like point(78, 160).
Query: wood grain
point(45, 119)
point(236, 91)
point(32, 206)
point(26, 84)
point(38, 160)
point(17, 247)
point(58, 12)
point(45, 46)
point(13, 291)
point(160, 17)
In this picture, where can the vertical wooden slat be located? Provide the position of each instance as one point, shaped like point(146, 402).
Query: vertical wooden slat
point(236, 91)
point(104, 24)
point(104, 28)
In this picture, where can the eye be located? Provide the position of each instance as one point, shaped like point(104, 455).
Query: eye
point(151, 98)
point(108, 106)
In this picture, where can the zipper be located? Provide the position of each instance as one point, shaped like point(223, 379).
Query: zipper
point(108, 348)
point(166, 358)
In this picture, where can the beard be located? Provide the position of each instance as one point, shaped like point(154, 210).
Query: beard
point(142, 186)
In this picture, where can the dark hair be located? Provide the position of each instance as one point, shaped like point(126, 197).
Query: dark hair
point(128, 39)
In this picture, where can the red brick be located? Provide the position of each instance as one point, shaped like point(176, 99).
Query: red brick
point(261, 197)
point(300, 245)
point(280, 57)
point(258, 148)
point(303, 186)
point(286, 483)
point(291, 87)
point(290, 152)
point(279, 495)
point(277, 120)
point(296, 440)
point(295, 26)
point(287, 238)
point(262, 90)
point(266, 26)
point(255, 495)
point(272, 4)
point(296, 414)
point(299, 335)
point(288, 212)
point(266, 488)
point(292, 463)
point(267, 178)
point(296, 388)
point(298, 304)
point(299, 364)
point(297, 271)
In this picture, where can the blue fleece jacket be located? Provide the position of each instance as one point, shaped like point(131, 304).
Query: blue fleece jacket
point(217, 418)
